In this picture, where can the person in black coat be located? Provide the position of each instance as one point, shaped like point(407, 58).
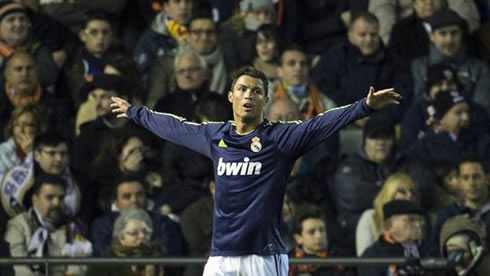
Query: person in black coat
point(358, 62)
point(402, 222)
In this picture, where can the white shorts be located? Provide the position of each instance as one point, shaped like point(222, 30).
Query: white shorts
point(249, 265)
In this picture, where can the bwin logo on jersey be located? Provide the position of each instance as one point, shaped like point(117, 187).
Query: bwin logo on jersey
point(239, 168)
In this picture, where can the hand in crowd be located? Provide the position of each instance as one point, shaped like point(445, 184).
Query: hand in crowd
point(120, 107)
point(25, 141)
point(379, 99)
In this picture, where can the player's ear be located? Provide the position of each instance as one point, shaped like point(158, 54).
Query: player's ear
point(230, 96)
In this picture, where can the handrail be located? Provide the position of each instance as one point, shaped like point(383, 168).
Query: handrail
point(178, 261)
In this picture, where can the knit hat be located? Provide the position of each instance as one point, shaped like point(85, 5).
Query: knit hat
point(446, 17)
point(377, 126)
point(438, 72)
point(400, 207)
point(8, 7)
point(445, 100)
point(460, 225)
point(106, 82)
point(252, 5)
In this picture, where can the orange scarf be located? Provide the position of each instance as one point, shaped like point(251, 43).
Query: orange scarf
point(7, 51)
point(18, 100)
point(315, 105)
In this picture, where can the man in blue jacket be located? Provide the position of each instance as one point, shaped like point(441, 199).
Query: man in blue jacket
point(253, 158)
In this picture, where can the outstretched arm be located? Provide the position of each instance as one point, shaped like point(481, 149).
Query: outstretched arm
point(167, 126)
point(299, 138)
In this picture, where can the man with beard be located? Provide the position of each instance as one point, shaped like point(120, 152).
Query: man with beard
point(44, 231)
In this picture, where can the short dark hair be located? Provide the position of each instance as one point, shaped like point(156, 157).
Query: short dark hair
point(127, 177)
point(251, 72)
point(304, 212)
point(49, 139)
point(214, 107)
point(46, 178)
point(474, 160)
point(290, 48)
point(98, 15)
point(367, 16)
point(200, 14)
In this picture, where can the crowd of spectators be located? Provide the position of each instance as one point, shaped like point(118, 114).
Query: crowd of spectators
point(411, 180)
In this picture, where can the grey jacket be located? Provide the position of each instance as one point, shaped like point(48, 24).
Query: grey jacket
point(474, 74)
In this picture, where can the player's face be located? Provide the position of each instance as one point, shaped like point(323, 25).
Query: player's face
point(248, 99)
point(313, 236)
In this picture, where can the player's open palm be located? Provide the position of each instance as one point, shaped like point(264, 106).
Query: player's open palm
point(379, 99)
point(120, 107)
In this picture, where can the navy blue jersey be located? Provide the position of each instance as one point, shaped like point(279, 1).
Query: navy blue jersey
point(251, 170)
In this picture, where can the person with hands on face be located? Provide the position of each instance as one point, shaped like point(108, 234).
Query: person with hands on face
point(253, 158)
point(25, 123)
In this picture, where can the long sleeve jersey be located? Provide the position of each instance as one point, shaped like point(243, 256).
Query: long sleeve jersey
point(251, 170)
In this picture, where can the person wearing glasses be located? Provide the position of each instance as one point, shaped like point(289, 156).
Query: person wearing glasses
point(131, 238)
point(49, 155)
point(192, 78)
point(202, 38)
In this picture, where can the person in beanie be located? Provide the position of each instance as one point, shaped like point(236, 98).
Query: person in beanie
point(473, 186)
point(14, 36)
point(360, 176)
point(462, 241)
point(440, 78)
point(101, 89)
point(451, 139)
point(238, 32)
point(447, 36)
point(402, 230)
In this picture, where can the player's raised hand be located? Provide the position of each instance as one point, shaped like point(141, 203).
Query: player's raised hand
point(120, 107)
point(377, 100)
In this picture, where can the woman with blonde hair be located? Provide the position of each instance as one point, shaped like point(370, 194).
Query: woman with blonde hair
point(26, 121)
point(370, 225)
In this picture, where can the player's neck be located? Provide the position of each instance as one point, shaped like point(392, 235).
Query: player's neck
point(244, 127)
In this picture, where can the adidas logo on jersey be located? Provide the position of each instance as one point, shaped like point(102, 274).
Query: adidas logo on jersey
point(239, 168)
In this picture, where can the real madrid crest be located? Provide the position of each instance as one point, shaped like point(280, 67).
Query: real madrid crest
point(256, 146)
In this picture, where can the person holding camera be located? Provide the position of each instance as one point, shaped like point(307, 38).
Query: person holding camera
point(462, 242)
